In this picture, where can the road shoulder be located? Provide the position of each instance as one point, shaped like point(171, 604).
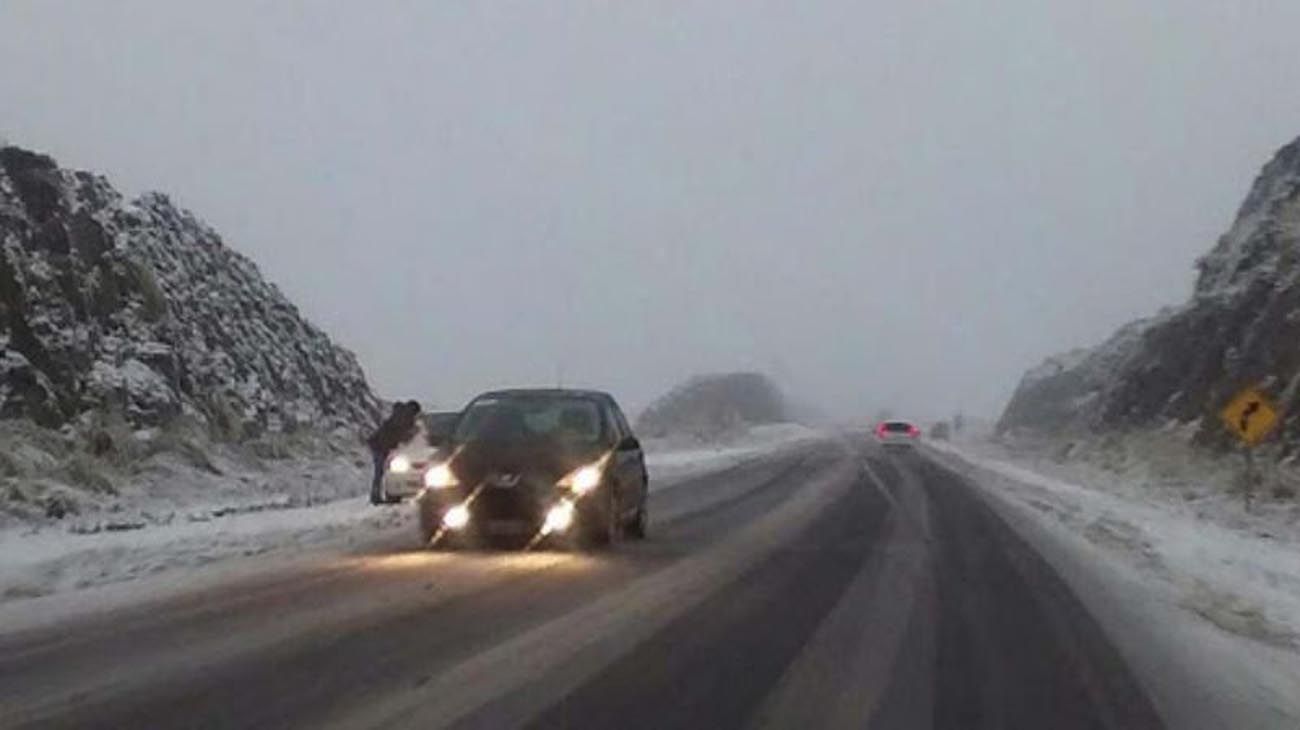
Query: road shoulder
point(1198, 675)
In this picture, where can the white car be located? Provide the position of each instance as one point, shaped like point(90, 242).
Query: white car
point(897, 434)
point(404, 474)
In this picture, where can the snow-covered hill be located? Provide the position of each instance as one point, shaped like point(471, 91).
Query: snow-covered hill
point(1240, 327)
point(707, 407)
point(137, 307)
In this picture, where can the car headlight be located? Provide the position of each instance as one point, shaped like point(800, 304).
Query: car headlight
point(559, 518)
point(584, 479)
point(457, 517)
point(399, 464)
point(440, 476)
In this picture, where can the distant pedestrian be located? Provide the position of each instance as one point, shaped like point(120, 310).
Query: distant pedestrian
point(396, 430)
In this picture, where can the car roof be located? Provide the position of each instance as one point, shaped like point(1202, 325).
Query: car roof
point(546, 393)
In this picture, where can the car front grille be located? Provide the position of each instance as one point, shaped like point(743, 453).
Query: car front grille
point(503, 504)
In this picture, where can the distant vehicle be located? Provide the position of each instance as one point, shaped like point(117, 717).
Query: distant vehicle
point(404, 475)
point(539, 465)
point(897, 434)
point(941, 431)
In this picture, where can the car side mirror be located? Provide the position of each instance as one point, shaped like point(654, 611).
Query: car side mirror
point(629, 444)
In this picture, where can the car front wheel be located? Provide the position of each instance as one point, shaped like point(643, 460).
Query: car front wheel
point(602, 528)
point(429, 522)
point(640, 523)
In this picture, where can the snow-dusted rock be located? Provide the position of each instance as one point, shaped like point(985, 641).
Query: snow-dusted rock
point(1241, 327)
point(140, 307)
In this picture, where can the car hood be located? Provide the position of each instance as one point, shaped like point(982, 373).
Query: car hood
point(539, 464)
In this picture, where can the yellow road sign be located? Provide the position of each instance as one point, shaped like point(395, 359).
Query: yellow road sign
point(1251, 416)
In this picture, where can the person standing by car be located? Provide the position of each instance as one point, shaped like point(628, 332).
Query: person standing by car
point(397, 429)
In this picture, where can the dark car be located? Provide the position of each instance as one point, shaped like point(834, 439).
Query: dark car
point(535, 465)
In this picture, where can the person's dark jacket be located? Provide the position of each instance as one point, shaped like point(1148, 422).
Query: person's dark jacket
point(396, 430)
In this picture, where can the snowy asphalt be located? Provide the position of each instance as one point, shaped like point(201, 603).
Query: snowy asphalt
point(827, 586)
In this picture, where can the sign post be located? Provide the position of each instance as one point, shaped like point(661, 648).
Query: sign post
point(1251, 417)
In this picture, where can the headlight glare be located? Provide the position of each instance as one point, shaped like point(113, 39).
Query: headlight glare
point(456, 518)
point(583, 480)
point(559, 518)
point(399, 464)
point(440, 476)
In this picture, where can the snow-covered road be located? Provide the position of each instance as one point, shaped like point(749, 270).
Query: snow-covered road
point(787, 590)
point(905, 578)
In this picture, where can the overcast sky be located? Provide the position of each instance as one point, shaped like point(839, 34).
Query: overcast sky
point(893, 202)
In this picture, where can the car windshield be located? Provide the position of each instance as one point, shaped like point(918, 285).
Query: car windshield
point(529, 418)
point(898, 427)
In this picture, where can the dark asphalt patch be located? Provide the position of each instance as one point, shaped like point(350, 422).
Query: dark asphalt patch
point(712, 667)
point(698, 528)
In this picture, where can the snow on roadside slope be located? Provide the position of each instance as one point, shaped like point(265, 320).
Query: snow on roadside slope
point(54, 561)
point(1212, 613)
point(50, 562)
point(668, 463)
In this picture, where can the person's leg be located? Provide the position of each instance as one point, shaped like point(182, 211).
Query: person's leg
point(376, 485)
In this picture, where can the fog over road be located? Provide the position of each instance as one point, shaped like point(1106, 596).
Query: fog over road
point(826, 585)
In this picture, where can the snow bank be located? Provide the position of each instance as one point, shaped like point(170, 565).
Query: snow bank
point(668, 462)
point(50, 562)
point(1210, 608)
point(157, 501)
point(106, 477)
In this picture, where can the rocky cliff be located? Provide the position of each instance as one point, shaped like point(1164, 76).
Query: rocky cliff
point(138, 307)
point(1241, 327)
